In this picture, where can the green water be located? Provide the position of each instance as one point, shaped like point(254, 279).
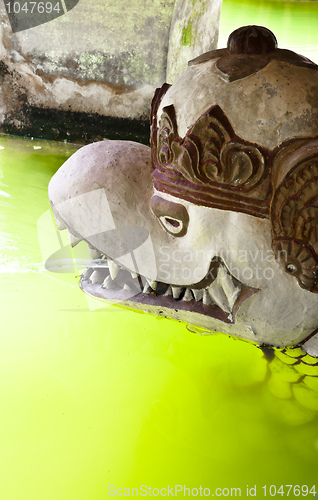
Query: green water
point(295, 23)
point(94, 395)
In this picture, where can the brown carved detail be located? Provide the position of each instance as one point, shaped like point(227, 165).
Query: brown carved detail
point(250, 49)
point(294, 210)
point(166, 134)
point(246, 164)
point(251, 40)
point(237, 66)
point(156, 100)
point(298, 259)
point(210, 165)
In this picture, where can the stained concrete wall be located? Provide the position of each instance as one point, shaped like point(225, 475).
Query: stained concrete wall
point(99, 62)
point(90, 73)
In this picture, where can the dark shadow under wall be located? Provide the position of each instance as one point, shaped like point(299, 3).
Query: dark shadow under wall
point(75, 126)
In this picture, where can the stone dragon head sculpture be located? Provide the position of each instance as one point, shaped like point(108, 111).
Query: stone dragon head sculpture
point(216, 223)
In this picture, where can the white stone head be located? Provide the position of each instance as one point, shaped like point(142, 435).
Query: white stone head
point(227, 195)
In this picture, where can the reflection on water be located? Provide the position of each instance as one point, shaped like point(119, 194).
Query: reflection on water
point(293, 377)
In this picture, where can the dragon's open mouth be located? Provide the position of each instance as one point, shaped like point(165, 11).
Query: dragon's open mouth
point(218, 295)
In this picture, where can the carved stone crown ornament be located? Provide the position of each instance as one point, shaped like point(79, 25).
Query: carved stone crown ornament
point(212, 166)
point(216, 224)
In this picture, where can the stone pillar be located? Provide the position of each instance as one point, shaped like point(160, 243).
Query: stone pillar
point(194, 30)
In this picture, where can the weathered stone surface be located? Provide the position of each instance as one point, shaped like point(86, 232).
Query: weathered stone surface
point(280, 100)
point(101, 59)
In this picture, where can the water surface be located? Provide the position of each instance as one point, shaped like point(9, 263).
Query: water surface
point(93, 396)
point(293, 22)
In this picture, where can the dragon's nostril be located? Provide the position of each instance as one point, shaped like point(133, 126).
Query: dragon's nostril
point(173, 226)
point(173, 222)
point(173, 216)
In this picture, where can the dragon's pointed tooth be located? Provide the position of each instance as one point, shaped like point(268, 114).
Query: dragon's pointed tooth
point(74, 240)
point(147, 289)
point(206, 298)
point(168, 292)
point(108, 283)
point(93, 277)
point(97, 276)
point(176, 291)
point(153, 284)
point(133, 275)
point(187, 295)
point(113, 269)
point(87, 273)
point(233, 298)
point(231, 289)
point(198, 293)
point(218, 296)
point(93, 253)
